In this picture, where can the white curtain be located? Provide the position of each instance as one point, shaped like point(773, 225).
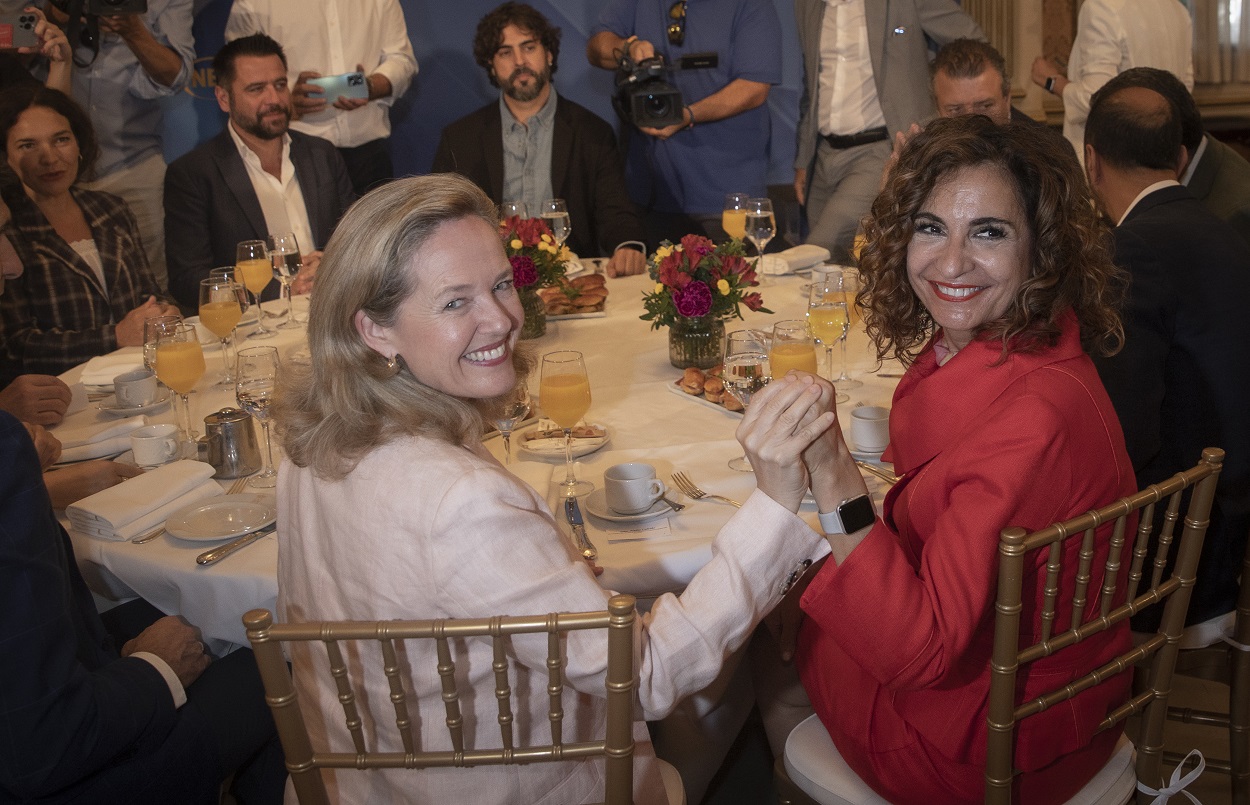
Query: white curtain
point(1221, 41)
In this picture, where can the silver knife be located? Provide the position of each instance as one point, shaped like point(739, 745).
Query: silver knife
point(222, 551)
point(574, 514)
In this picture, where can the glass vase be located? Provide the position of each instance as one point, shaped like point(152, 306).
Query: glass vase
point(535, 313)
point(697, 342)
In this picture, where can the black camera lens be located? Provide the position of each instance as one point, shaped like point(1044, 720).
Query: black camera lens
point(658, 105)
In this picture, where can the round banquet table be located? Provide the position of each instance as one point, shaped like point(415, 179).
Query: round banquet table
point(633, 396)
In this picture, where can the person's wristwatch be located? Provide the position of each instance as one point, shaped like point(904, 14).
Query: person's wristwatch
point(849, 516)
point(1050, 84)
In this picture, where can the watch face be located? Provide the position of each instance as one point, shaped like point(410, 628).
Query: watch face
point(857, 513)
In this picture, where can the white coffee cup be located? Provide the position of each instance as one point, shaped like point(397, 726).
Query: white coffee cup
point(870, 428)
point(632, 488)
point(135, 389)
point(154, 445)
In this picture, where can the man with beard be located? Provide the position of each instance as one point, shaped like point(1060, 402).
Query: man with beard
point(533, 145)
point(254, 179)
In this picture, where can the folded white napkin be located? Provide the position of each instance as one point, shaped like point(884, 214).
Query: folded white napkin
point(77, 399)
point(141, 503)
point(97, 439)
point(100, 370)
point(805, 255)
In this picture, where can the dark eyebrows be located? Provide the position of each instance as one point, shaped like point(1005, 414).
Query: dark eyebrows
point(989, 219)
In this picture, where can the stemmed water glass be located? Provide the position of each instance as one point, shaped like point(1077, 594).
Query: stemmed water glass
point(747, 370)
point(220, 312)
point(564, 393)
point(760, 223)
point(254, 271)
point(515, 409)
point(513, 209)
point(556, 213)
point(284, 254)
point(180, 365)
point(829, 320)
point(256, 379)
point(733, 218)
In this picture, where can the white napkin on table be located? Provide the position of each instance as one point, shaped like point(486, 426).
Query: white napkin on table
point(100, 370)
point(142, 503)
point(96, 440)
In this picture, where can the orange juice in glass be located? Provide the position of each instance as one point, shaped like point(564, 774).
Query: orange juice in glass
point(253, 269)
point(792, 348)
point(220, 317)
point(564, 394)
point(180, 365)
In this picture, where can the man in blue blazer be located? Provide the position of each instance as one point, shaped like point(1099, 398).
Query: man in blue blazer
point(81, 723)
point(254, 179)
point(1183, 377)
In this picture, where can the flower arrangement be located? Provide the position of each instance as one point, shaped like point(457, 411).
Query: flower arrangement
point(697, 278)
point(537, 261)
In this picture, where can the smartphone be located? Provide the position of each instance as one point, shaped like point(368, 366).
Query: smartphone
point(347, 85)
point(17, 30)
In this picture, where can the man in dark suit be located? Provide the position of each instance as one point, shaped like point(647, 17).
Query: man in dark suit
point(1182, 380)
point(254, 179)
point(533, 145)
point(79, 721)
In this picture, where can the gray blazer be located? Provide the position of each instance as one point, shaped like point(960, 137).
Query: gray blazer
point(1221, 181)
point(900, 59)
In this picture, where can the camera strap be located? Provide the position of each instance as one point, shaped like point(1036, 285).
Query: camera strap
point(76, 33)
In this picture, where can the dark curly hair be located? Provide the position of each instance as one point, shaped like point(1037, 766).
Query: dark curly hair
point(17, 99)
point(527, 18)
point(1071, 265)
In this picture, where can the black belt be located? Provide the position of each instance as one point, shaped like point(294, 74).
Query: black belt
point(865, 137)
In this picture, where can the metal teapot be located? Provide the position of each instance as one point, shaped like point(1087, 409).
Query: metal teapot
point(229, 443)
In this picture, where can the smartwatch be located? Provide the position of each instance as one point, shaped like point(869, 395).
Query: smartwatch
point(849, 516)
point(1050, 84)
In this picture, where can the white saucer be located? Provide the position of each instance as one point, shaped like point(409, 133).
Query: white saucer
point(222, 518)
point(110, 407)
point(597, 504)
point(554, 447)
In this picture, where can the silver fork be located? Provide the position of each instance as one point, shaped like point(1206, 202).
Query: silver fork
point(688, 489)
point(237, 486)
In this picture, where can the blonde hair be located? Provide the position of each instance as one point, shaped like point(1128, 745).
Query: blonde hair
point(347, 399)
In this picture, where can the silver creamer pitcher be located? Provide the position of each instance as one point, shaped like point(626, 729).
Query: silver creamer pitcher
point(229, 443)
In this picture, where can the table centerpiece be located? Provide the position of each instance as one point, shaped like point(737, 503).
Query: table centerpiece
point(699, 285)
point(537, 262)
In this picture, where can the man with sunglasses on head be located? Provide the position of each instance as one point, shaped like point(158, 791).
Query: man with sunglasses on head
point(730, 55)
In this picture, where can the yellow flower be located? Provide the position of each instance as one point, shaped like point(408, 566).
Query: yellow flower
point(565, 255)
point(546, 247)
point(516, 243)
point(659, 287)
point(723, 286)
point(663, 252)
point(547, 238)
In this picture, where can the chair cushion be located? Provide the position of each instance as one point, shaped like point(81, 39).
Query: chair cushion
point(816, 767)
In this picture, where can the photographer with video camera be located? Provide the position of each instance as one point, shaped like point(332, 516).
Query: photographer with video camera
point(722, 56)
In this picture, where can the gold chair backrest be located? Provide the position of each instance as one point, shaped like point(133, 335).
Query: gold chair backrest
point(304, 762)
point(1161, 648)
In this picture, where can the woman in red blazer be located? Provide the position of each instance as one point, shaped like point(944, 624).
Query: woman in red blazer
point(987, 273)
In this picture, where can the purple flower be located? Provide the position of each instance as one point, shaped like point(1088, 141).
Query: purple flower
point(695, 300)
point(524, 272)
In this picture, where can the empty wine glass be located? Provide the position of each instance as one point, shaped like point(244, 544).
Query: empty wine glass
point(220, 312)
point(515, 410)
point(252, 268)
point(180, 365)
point(747, 370)
point(285, 257)
point(564, 393)
point(733, 219)
point(829, 320)
point(256, 379)
point(760, 223)
point(556, 213)
point(513, 209)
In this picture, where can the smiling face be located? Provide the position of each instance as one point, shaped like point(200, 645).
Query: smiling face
point(521, 64)
point(982, 95)
point(458, 327)
point(43, 152)
point(970, 251)
point(258, 99)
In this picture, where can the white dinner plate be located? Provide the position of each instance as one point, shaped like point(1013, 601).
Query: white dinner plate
point(110, 407)
point(597, 504)
point(554, 447)
point(224, 517)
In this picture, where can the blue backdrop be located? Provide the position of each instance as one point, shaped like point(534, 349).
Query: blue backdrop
point(449, 84)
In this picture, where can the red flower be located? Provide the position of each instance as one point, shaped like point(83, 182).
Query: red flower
point(697, 247)
point(753, 301)
point(531, 230)
point(672, 273)
point(524, 272)
point(695, 300)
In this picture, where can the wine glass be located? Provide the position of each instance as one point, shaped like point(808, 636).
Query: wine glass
point(253, 269)
point(733, 219)
point(829, 321)
point(760, 223)
point(285, 257)
point(153, 326)
point(564, 394)
point(746, 371)
point(254, 386)
point(513, 209)
point(180, 365)
point(515, 409)
point(220, 312)
point(556, 214)
point(792, 348)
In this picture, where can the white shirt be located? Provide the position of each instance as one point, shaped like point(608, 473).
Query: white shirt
point(1194, 160)
point(331, 37)
point(1115, 35)
point(281, 201)
point(1145, 192)
point(848, 102)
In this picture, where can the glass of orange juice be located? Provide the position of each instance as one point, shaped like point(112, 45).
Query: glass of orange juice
point(564, 394)
point(253, 269)
point(180, 365)
point(792, 348)
point(220, 312)
point(733, 219)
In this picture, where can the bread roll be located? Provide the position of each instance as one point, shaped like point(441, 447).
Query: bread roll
point(714, 389)
point(692, 381)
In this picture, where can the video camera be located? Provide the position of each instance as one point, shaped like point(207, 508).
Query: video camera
point(643, 97)
point(83, 27)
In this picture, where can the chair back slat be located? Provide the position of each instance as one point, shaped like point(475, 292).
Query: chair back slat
point(304, 764)
point(1015, 546)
